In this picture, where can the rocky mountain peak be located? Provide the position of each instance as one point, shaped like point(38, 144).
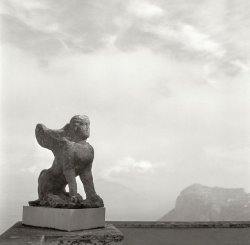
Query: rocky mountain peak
point(202, 203)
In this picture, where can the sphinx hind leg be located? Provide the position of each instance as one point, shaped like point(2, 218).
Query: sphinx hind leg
point(41, 182)
point(39, 201)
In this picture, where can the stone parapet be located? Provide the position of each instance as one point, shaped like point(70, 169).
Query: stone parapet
point(20, 234)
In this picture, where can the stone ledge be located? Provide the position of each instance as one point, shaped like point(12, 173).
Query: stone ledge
point(64, 219)
point(22, 234)
point(179, 224)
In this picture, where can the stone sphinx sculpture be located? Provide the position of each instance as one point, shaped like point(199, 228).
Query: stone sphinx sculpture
point(73, 157)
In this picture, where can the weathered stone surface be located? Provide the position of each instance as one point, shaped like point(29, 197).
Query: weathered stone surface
point(73, 157)
point(23, 235)
point(64, 219)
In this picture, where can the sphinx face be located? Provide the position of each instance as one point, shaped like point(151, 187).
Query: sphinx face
point(82, 128)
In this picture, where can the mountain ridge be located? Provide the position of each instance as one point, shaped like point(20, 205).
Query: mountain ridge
point(202, 203)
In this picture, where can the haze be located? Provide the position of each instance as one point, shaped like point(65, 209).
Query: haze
point(165, 84)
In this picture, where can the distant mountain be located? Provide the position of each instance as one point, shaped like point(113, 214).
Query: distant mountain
point(123, 203)
point(202, 203)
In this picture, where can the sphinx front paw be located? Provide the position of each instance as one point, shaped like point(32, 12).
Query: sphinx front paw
point(96, 201)
point(77, 199)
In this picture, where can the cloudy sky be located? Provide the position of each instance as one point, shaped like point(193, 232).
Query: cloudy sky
point(165, 84)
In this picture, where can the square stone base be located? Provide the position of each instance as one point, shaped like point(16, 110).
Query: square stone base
point(64, 219)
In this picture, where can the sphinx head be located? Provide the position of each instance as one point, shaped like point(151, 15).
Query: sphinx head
point(80, 127)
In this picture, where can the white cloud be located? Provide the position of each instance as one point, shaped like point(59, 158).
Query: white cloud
point(143, 9)
point(128, 165)
point(199, 41)
point(31, 12)
point(241, 65)
point(191, 38)
point(29, 4)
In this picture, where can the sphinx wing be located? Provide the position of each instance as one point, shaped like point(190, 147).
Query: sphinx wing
point(50, 138)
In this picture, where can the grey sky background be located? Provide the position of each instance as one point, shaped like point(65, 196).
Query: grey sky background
point(165, 84)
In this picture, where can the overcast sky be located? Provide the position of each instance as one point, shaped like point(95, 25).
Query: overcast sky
point(165, 84)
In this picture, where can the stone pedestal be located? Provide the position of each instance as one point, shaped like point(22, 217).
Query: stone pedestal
point(21, 234)
point(64, 219)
